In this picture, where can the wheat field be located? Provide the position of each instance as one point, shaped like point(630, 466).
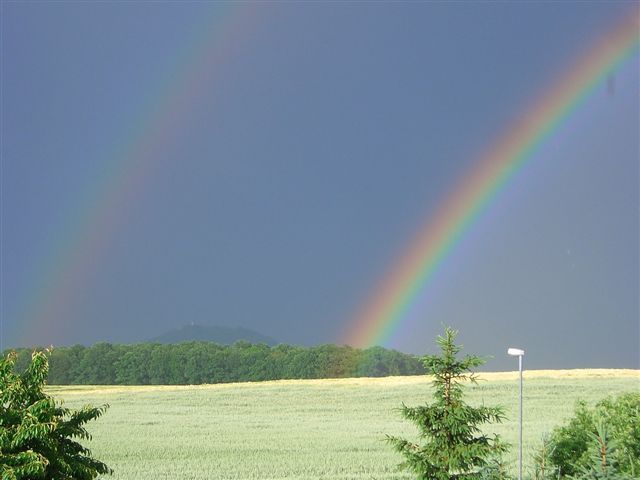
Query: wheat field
point(307, 429)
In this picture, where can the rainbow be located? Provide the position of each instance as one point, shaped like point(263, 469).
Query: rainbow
point(385, 310)
point(72, 261)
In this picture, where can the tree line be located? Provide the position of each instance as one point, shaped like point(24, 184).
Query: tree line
point(192, 363)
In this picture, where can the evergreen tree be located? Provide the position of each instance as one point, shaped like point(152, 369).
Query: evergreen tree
point(453, 446)
point(602, 453)
point(36, 434)
point(543, 469)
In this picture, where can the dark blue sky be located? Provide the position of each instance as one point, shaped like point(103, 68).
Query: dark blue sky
point(317, 141)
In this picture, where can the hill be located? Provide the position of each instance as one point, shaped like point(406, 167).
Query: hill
point(217, 334)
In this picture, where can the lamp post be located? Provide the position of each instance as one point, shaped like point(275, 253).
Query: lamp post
point(517, 352)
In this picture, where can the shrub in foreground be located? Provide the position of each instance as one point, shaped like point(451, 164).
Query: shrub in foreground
point(572, 444)
point(36, 434)
point(607, 435)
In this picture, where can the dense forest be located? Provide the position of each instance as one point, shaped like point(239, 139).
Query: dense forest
point(205, 362)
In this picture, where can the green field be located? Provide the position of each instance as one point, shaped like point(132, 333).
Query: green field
point(304, 429)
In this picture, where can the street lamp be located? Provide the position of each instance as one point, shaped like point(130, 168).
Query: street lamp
point(517, 352)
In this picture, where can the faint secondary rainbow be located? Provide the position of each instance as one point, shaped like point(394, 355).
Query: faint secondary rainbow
point(75, 257)
point(385, 310)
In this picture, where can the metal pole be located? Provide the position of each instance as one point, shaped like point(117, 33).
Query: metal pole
point(520, 453)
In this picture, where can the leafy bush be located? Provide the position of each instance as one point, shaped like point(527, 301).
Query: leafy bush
point(454, 447)
point(36, 434)
point(572, 445)
point(602, 451)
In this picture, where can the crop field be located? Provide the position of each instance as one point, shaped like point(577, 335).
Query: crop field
point(307, 429)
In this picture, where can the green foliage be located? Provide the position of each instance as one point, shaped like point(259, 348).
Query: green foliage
point(36, 434)
point(206, 362)
point(620, 418)
point(453, 448)
point(569, 443)
point(495, 469)
point(602, 456)
point(543, 469)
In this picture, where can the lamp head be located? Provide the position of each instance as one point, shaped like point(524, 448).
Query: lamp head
point(515, 352)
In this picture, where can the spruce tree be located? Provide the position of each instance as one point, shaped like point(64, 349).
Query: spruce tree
point(602, 454)
point(452, 446)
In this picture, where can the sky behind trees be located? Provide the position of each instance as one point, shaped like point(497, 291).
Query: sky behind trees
point(264, 165)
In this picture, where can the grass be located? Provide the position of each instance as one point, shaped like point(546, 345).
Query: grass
point(306, 429)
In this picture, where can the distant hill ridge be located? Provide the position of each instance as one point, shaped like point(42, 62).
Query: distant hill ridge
point(217, 334)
